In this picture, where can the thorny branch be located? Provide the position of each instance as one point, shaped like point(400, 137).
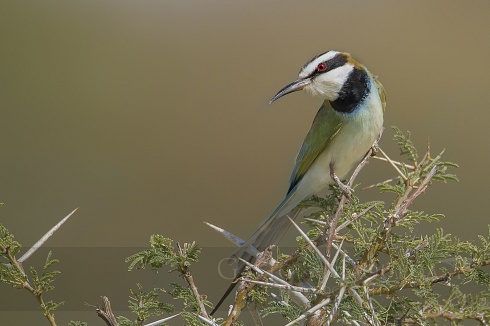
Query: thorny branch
point(415, 179)
point(343, 201)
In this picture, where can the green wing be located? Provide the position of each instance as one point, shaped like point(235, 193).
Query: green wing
point(325, 127)
point(381, 92)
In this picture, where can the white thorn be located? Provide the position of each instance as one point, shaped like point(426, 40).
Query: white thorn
point(237, 241)
point(228, 235)
point(159, 322)
point(315, 248)
point(207, 321)
point(44, 238)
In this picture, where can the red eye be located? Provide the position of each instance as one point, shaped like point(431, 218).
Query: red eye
point(321, 67)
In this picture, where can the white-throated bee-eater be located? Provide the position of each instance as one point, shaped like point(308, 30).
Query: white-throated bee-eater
point(344, 129)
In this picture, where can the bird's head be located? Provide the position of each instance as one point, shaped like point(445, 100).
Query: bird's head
point(325, 76)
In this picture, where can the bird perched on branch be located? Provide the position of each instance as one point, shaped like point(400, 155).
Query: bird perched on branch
point(344, 129)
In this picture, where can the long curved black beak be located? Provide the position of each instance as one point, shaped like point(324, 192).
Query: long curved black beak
point(296, 85)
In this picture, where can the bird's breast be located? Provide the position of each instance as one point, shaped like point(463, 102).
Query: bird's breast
point(357, 134)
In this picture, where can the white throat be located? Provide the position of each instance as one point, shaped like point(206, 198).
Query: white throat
point(329, 84)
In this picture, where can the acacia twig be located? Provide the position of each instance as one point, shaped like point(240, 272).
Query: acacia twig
point(343, 200)
point(263, 260)
point(186, 273)
point(105, 312)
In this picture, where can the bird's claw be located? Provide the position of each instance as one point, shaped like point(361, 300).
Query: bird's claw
point(374, 149)
point(346, 189)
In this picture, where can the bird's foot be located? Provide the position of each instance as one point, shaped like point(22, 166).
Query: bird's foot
point(374, 149)
point(346, 189)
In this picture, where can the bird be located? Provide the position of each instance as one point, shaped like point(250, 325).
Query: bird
point(344, 129)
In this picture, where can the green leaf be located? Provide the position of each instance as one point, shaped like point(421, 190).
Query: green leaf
point(405, 144)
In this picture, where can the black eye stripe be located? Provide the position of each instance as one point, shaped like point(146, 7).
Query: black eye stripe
point(338, 61)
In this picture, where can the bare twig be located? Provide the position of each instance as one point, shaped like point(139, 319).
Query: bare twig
point(421, 188)
point(360, 302)
point(411, 167)
point(315, 248)
point(310, 311)
point(254, 312)
point(355, 217)
point(352, 321)
point(392, 163)
point(338, 300)
point(371, 307)
point(244, 288)
point(105, 313)
point(455, 316)
point(328, 272)
point(349, 259)
point(297, 297)
point(315, 221)
point(287, 287)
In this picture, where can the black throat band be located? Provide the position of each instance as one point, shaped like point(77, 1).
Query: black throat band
point(354, 91)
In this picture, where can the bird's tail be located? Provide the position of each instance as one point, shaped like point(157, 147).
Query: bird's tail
point(274, 227)
point(270, 232)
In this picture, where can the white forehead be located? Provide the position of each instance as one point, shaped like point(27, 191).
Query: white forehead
point(311, 66)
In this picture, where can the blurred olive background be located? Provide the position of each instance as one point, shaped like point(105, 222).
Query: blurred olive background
point(153, 116)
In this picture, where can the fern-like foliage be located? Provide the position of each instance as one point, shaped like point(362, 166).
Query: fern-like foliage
point(163, 253)
point(382, 269)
